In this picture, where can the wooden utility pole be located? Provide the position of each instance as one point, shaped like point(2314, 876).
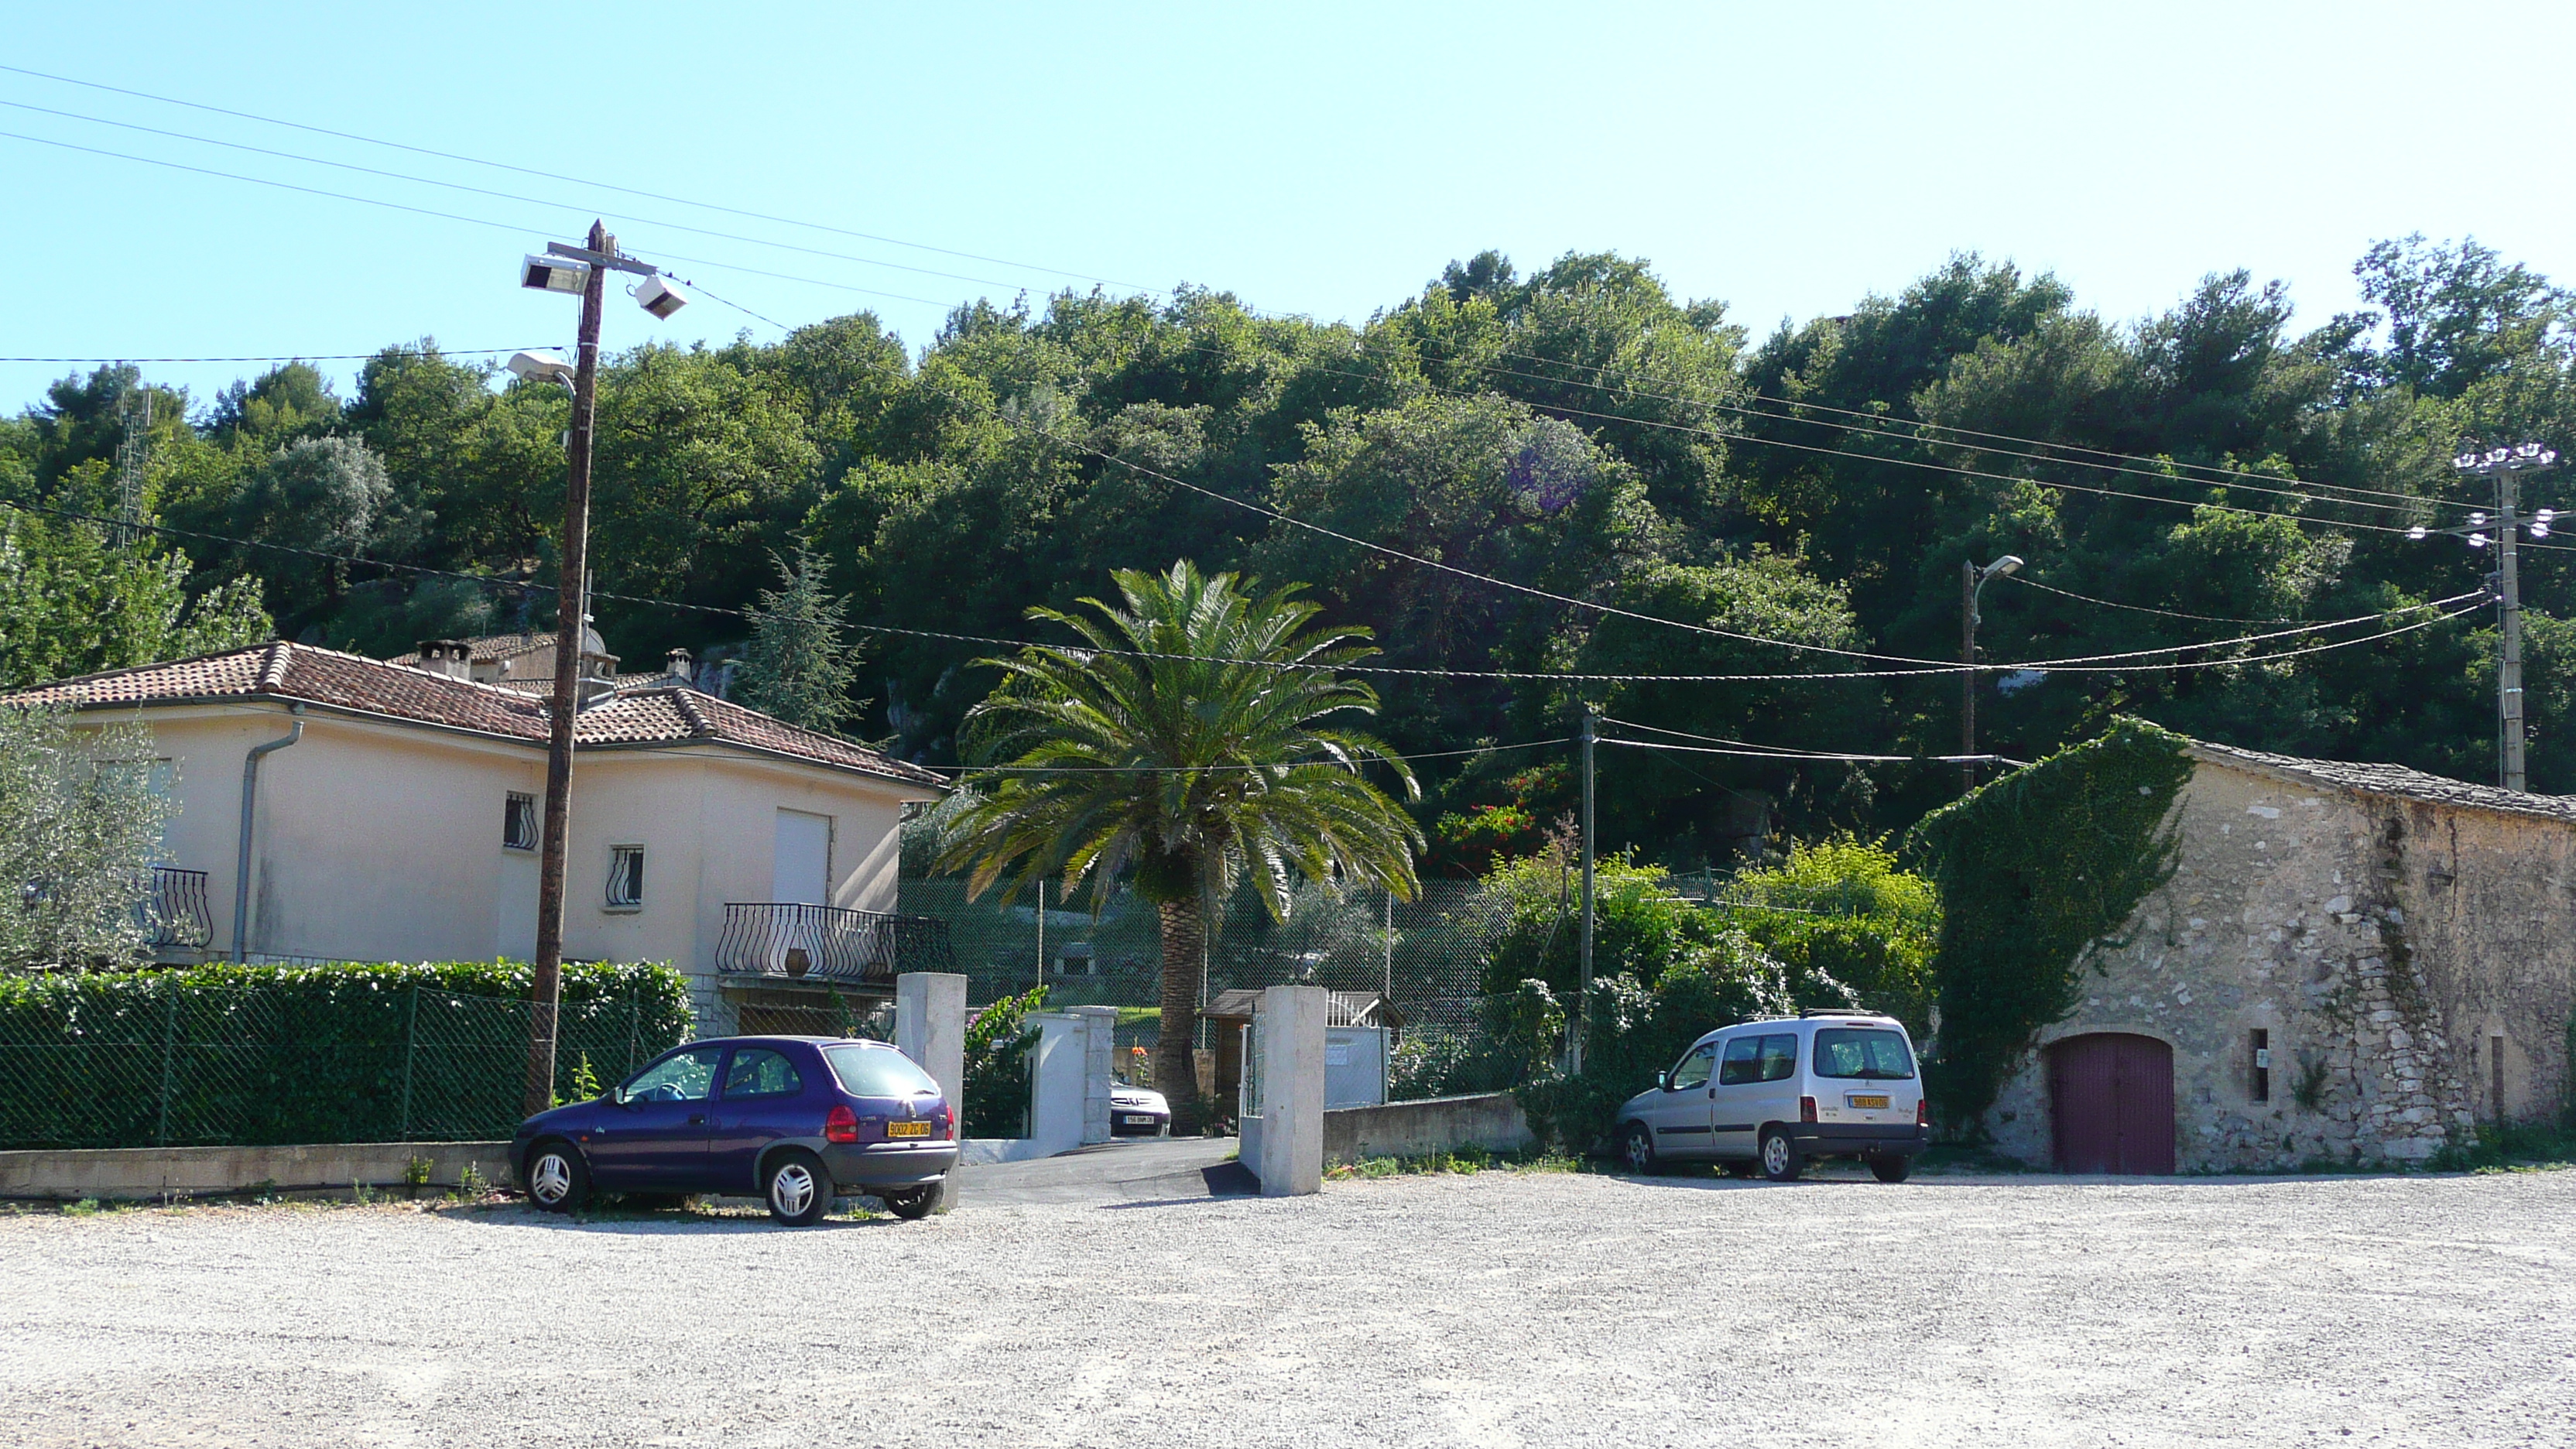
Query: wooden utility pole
point(1968, 675)
point(571, 630)
point(1583, 992)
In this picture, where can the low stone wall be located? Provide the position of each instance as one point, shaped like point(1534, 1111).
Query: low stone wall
point(1491, 1121)
point(136, 1173)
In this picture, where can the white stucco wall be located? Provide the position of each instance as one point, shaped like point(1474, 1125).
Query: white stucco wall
point(380, 840)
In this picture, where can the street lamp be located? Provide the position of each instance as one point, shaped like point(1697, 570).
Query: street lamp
point(583, 270)
point(2504, 467)
point(1972, 582)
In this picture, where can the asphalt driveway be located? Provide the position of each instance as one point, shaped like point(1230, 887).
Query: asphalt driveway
point(1498, 1309)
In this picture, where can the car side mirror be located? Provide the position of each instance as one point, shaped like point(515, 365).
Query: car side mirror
point(1663, 1081)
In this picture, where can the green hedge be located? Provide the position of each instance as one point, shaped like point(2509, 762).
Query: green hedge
point(357, 1052)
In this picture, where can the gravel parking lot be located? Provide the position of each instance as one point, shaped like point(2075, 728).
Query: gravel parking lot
point(1495, 1309)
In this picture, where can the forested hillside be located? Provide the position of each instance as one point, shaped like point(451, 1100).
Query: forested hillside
point(1581, 432)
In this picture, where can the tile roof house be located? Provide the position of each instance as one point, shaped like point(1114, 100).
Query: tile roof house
point(2351, 963)
point(390, 810)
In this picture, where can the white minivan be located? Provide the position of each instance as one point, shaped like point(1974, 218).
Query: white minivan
point(1777, 1093)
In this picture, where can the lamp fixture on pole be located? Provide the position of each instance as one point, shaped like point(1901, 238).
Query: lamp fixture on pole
point(2504, 467)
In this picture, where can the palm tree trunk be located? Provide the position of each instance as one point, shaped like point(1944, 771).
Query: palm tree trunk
point(1175, 1076)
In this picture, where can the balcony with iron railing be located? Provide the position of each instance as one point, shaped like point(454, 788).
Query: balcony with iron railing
point(175, 917)
point(783, 941)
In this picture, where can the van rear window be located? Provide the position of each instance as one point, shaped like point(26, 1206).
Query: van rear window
point(1843, 1051)
point(875, 1071)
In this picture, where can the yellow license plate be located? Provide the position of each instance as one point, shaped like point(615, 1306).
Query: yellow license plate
point(1869, 1101)
point(907, 1129)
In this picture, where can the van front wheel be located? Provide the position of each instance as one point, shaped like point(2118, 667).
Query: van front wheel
point(1637, 1148)
point(1891, 1167)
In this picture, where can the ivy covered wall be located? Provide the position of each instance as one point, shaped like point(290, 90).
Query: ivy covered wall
point(2036, 871)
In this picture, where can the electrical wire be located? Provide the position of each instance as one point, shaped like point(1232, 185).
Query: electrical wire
point(2096, 490)
point(2030, 583)
point(513, 196)
point(558, 176)
point(298, 357)
point(2161, 468)
point(1213, 769)
point(941, 636)
point(1817, 758)
point(388, 205)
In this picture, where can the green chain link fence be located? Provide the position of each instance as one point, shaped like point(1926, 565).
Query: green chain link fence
point(1425, 955)
point(255, 1056)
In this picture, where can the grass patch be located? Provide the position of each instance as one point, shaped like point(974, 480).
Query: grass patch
point(2511, 1147)
point(1464, 1160)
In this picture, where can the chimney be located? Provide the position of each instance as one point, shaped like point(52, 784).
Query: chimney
point(451, 657)
point(676, 664)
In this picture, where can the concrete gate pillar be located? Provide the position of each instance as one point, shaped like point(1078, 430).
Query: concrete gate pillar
point(930, 1028)
point(1290, 1022)
point(1099, 1056)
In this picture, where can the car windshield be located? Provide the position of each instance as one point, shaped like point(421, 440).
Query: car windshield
point(875, 1071)
point(1843, 1051)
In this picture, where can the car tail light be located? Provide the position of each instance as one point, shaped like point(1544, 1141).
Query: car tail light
point(1922, 1111)
point(1806, 1109)
point(841, 1126)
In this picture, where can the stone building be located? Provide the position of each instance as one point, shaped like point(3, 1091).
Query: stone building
point(2350, 964)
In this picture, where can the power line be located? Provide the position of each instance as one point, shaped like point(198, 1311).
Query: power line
point(509, 196)
point(389, 205)
point(1210, 769)
point(1497, 675)
point(2032, 583)
point(297, 357)
point(2162, 467)
point(1808, 758)
point(558, 176)
point(2096, 490)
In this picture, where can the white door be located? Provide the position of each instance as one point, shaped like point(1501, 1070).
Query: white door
point(1680, 1114)
point(801, 871)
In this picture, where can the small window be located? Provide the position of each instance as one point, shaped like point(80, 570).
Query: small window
point(519, 821)
point(877, 1071)
point(2262, 1089)
point(1862, 1052)
point(1779, 1057)
point(1693, 1072)
point(625, 877)
point(688, 1076)
point(1743, 1063)
point(760, 1072)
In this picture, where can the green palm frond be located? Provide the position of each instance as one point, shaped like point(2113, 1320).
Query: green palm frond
point(1195, 736)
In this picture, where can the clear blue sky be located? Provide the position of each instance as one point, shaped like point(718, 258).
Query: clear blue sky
point(1314, 158)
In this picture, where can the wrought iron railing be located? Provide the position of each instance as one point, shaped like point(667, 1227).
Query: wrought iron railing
point(176, 915)
point(785, 941)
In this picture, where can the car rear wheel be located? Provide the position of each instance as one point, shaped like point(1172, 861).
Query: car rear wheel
point(798, 1189)
point(1781, 1161)
point(1637, 1148)
point(911, 1203)
point(557, 1180)
point(1891, 1167)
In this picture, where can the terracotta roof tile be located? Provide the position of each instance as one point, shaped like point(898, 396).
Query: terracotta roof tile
point(671, 715)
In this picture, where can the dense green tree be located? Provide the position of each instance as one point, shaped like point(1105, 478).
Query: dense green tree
point(797, 666)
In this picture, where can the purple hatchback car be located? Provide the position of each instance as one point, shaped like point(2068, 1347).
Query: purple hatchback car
point(796, 1120)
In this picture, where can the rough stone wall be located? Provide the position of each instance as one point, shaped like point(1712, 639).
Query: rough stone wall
point(2382, 943)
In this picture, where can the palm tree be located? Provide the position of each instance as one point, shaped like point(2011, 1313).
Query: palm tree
point(1186, 746)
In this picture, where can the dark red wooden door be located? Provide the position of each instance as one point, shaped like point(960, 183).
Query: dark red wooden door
point(2111, 1103)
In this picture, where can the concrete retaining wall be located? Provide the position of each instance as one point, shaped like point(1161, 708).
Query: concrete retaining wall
point(1491, 1121)
point(154, 1172)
